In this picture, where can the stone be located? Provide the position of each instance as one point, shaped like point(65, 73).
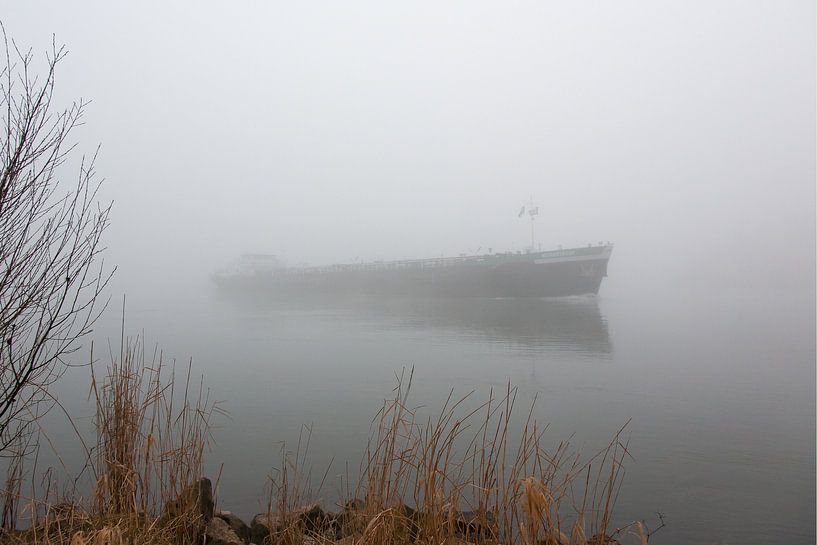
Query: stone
point(195, 506)
point(352, 520)
point(263, 525)
point(354, 505)
point(406, 511)
point(312, 518)
point(334, 526)
point(64, 510)
point(411, 520)
point(218, 532)
point(471, 524)
point(236, 525)
point(348, 540)
point(196, 497)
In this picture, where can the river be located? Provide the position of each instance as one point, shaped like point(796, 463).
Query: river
point(718, 388)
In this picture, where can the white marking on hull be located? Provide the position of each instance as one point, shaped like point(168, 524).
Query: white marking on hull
point(605, 255)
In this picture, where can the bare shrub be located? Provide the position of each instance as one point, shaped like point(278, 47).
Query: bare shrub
point(51, 276)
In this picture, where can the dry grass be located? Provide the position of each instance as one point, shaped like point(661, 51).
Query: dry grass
point(150, 442)
point(460, 478)
point(466, 475)
point(463, 461)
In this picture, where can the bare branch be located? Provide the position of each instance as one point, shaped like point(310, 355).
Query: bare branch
point(51, 277)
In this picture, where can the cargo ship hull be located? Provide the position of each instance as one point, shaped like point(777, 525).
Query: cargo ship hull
point(556, 273)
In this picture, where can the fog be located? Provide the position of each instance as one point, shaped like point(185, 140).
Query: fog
point(683, 132)
point(346, 132)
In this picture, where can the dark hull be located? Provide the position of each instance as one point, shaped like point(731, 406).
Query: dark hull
point(570, 325)
point(540, 274)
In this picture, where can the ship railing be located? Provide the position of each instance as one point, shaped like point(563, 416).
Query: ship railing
point(433, 263)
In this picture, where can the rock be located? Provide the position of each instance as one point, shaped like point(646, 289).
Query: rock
point(407, 511)
point(407, 523)
point(352, 520)
point(218, 532)
point(309, 520)
point(197, 497)
point(64, 510)
point(334, 525)
point(263, 525)
point(312, 518)
point(353, 506)
point(236, 525)
point(471, 524)
point(348, 540)
point(260, 528)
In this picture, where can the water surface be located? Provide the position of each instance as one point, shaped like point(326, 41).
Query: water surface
point(719, 388)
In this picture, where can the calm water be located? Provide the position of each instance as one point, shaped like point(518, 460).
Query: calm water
point(719, 388)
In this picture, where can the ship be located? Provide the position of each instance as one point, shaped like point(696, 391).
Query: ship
point(573, 325)
point(550, 273)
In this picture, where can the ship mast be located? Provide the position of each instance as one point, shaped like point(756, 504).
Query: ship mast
point(533, 211)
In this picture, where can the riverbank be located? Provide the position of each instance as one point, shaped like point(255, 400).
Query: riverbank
point(354, 524)
point(463, 476)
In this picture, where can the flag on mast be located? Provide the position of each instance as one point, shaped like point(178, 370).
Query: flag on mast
point(534, 211)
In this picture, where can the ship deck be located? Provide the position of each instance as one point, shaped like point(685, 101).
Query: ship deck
point(540, 257)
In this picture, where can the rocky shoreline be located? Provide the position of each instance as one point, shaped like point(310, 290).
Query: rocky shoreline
point(149, 488)
point(312, 525)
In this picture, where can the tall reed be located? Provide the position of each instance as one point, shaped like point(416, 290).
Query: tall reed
point(464, 475)
point(153, 427)
point(459, 476)
point(470, 473)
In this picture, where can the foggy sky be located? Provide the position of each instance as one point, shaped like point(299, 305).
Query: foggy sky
point(684, 132)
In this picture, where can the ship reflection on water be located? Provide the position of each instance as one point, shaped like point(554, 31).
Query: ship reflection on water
point(568, 325)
